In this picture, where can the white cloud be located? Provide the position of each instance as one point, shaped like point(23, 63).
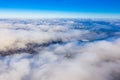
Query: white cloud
point(89, 63)
point(73, 60)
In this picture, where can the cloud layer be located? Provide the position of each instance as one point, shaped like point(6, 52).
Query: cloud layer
point(59, 49)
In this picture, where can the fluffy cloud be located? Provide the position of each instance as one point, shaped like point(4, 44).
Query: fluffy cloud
point(68, 62)
point(81, 54)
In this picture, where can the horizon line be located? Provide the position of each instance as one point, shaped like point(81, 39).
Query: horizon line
point(54, 14)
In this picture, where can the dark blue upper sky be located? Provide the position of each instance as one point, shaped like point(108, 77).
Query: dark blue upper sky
point(85, 6)
point(101, 6)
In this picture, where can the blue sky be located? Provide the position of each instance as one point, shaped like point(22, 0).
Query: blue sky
point(56, 8)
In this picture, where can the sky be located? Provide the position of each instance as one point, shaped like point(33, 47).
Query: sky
point(60, 8)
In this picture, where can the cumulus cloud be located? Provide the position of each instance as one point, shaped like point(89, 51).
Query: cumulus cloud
point(72, 62)
point(62, 51)
point(18, 36)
